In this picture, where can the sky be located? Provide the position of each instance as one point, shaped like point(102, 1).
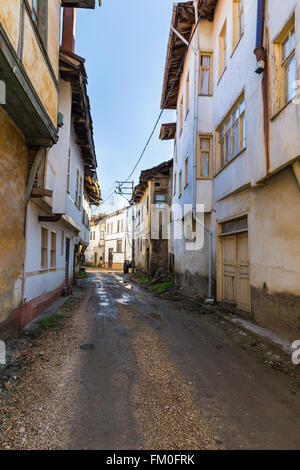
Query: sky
point(124, 44)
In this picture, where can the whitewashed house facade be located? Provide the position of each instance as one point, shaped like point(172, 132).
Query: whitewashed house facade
point(59, 210)
point(237, 150)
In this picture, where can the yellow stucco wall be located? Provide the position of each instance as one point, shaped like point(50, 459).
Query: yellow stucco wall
point(38, 72)
point(10, 19)
point(53, 33)
point(13, 164)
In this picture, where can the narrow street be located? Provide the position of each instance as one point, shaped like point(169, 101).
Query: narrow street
point(155, 377)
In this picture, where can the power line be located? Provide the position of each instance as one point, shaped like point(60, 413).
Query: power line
point(167, 98)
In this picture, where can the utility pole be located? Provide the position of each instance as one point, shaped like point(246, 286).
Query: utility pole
point(126, 188)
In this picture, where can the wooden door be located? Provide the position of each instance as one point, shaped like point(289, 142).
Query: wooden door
point(229, 268)
point(235, 269)
point(243, 286)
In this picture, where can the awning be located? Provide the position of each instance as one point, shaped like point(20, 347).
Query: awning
point(168, 131)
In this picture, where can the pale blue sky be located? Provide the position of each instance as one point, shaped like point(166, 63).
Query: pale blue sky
point(125, 43)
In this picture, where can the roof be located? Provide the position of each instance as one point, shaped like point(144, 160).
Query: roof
point(183, 20)
point(79, 3)
point(168, 131)
point(161, 170)
point(72, 69)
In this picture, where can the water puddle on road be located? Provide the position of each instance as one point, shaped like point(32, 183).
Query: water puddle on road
point(124, 299)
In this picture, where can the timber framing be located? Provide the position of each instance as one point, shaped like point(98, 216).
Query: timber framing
point(23, 104)
point(72, 70)
point(163, 170)
point(183, 21)
point(168, 131)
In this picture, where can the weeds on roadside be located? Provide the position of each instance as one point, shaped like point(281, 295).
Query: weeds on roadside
point(161, 288)
point(53, 322)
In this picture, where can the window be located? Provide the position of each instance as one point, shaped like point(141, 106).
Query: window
point(232, 134)
point(44, 247)
point(35, 11)
point(186, 171)
point(181, 114)
point(102, 235)
point(122, 226)
point(80, 193)
point(205, 79)
point(174, 183)
point(235, 225)
point(180, 184)
point(118, 226)
point(284, 66)
point(119, 246)
point(204, 157)
point(53, 250)
point(160, 199)
point(223, 50)
point(238, 21)
point(187, 96)
point(289, 64)
point(39, 17)
point(68, 172)
point(62, 245)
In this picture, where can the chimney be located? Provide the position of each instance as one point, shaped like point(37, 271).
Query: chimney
point(69, 26)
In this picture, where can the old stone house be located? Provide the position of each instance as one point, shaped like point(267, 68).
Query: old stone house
point(30, 118)
point(95, 253)
point(152, 200)
point(236, 152)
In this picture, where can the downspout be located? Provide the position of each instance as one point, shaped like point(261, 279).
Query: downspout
point(259, 50)
point(210, 298)
point(196, 112)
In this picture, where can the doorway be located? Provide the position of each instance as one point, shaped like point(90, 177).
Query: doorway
point(110, 258)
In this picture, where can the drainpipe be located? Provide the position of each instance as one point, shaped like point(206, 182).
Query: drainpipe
point(196, 105)
point(259, 50)
point(210, 298)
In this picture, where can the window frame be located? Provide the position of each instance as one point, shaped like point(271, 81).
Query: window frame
point(44, 247)
point(238, 28)
point(280, 64)
point(69, 172)
point(187, 95)
point(186, 171)
point(35, 12)
point(53, 249)
point(181, 115)
point(119, 243)
point(223, 50)
point(221, 136)
point(210, 69)
point(180, 184)
point(199, 176)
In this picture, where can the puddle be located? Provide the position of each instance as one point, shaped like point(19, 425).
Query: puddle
point(125, 299)
point(104, 304)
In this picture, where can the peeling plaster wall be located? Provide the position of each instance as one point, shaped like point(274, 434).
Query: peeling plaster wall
point(38, 71)
point(10, 19)
point(13, 164)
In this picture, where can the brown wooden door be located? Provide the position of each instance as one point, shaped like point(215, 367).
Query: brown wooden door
point(229, 268)
point(243, 287)
point(235, 270)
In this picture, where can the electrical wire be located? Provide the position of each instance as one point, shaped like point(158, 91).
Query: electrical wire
point(167, 98)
